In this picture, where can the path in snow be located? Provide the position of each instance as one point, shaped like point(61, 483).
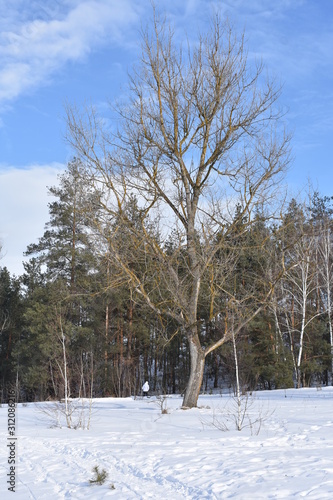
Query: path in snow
point(179, 455)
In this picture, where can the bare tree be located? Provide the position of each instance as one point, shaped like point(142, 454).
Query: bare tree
point(63, 368)
point(322, 211)
point(201, 132)
point(301, 278)
point(326, 271)
point(301, 298)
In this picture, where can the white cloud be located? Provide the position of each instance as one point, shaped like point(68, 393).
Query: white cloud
point(32, 49)
point(23, 210)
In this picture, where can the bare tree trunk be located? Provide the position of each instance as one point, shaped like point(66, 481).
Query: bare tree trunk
point(329, 315)
point(106, 356)
point(52, 379)
point(292, 347)
point(64, 374)
point(327, 275)
point(197, 358)
point(82, 380)
point(301, 341)
point(238, 391)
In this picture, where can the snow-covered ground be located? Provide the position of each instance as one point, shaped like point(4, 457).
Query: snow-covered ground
point(179, 455)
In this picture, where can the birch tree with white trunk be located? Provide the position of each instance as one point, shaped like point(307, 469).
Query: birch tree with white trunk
point(326, 272)
point(301, 283)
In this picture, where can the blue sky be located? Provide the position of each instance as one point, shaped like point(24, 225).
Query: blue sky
point(54, 52)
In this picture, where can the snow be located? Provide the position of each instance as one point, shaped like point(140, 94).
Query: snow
point(179, 455)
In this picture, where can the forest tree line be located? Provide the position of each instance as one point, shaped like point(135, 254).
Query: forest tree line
point(71, 292)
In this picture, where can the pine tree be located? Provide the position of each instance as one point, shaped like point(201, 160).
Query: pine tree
point(10, 330)
point(68, 282)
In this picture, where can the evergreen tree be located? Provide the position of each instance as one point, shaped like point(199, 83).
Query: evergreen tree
point(68, 283)
point(10, 329)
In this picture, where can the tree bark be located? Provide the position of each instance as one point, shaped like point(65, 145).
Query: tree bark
point(197, 358)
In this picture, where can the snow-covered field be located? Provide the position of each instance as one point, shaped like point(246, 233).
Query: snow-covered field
point(178, 455)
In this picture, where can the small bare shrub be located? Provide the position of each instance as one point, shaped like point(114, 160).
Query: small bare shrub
point(238, 413)
point(161, 402)
point(75, 415)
